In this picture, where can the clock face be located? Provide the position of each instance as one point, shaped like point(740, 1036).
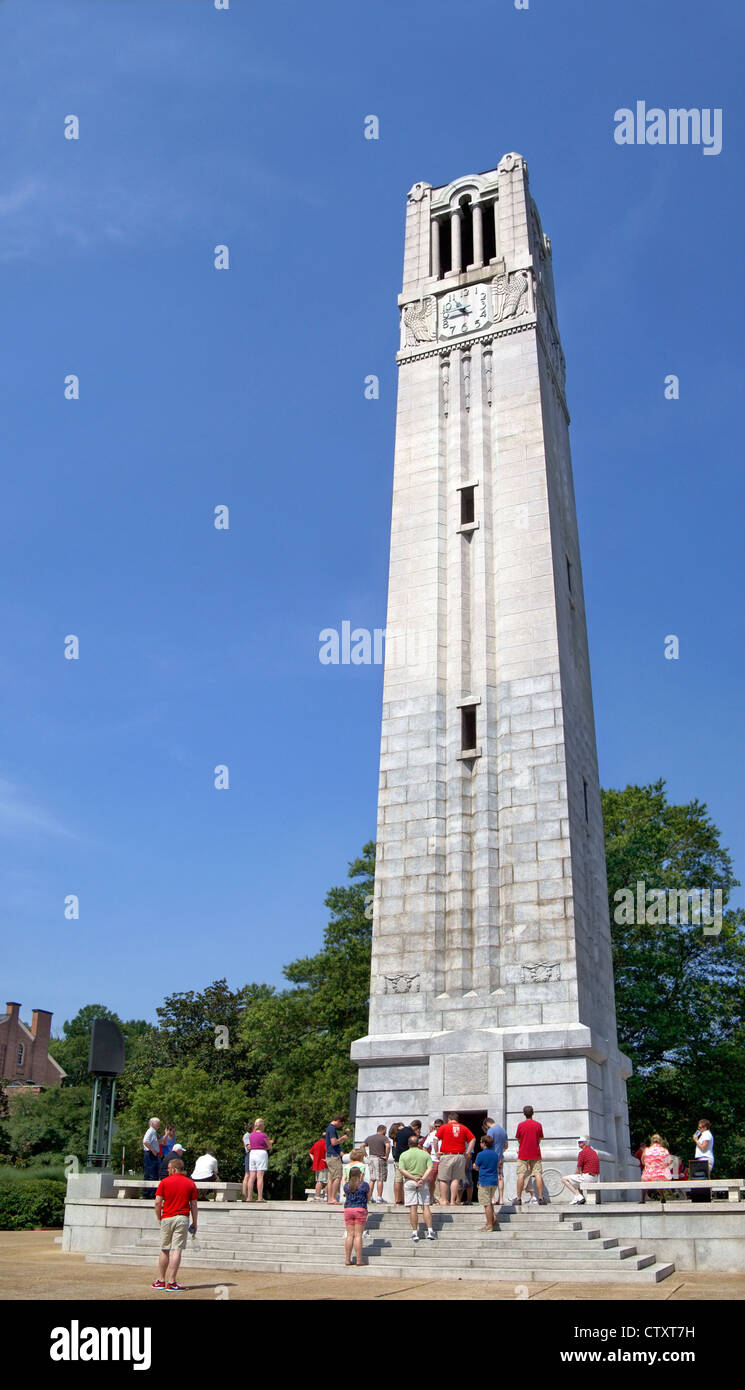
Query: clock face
point(464, 311)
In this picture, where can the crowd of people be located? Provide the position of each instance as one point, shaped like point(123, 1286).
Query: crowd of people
point(442, 1167)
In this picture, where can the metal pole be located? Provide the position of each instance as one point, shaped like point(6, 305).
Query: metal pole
point(93, 1125)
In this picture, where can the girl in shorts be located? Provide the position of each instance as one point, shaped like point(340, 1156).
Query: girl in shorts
point(356, 1193)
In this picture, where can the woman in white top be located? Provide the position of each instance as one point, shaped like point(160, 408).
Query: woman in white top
point(432, 1145)
point(704, 1141)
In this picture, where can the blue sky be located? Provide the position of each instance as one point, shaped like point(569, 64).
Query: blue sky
point(245, 388)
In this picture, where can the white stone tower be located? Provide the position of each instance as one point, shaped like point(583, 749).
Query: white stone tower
point(492, 983)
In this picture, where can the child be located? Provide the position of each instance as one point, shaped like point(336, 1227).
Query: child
point(356, 1193)
point(486, 1164)
point(466, 1191)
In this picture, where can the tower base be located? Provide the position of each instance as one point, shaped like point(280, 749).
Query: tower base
point(572, 1078)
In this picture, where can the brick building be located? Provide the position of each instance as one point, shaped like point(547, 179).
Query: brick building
point(24, 1051)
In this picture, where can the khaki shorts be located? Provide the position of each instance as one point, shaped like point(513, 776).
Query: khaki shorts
point(452, 1168)
point(378, 1168)
point(334, 1165)
point(486, 1195)
point(527, 1167)
point(174, 1231)
point(416, 1196)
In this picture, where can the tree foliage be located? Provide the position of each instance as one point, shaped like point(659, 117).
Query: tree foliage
point(209, 1115)
point(299, 1039)
point(50, 1125)
point(680, 993)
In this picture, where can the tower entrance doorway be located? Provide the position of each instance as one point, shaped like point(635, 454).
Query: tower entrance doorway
point(473, 1120)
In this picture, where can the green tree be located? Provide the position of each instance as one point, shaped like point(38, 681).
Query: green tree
point(209, 1115)
point(680, 992)
point(50, 1125)
point(203, 1027)
point(298, 1040)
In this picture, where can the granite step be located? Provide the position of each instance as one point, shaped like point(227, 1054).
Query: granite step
point(597, 1252)
point(640, 1271)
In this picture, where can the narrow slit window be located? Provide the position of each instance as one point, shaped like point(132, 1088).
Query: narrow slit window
point(569, 573)
point(490, 238)
point(584, 792)
point(468, 728)
point(467, 506)
point(446, 247)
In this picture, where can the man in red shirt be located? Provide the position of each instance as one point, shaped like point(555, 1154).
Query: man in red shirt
point(455, 1141)
point(175, 1198)
point(588, 1171)
point(529, 1136)
point(320, 1169)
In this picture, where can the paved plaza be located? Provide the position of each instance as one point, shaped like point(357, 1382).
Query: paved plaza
point(32, 1266)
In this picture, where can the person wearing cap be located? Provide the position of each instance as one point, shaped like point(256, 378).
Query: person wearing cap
point(177, 1151)
point(588, 1171)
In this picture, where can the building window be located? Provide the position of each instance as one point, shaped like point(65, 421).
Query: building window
point(569, 573)
point(466, 233)
point(468, 728)
point(584, 790)
point(20, 1054)
point(446, 248)
point(490, 234)
point(467, 506)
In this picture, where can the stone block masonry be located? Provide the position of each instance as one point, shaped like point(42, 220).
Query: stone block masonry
point(492, 982)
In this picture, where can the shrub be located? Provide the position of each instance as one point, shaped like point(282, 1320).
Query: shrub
point(26, 1205)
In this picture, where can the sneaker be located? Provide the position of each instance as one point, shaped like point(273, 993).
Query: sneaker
point(430, 1235)
point(175, 1288)
point(577, 1201)
point(158, 1284)
point(415, 1236)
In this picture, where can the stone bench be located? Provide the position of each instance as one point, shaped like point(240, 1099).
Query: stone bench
point(733, 1187)
point(225, 1191)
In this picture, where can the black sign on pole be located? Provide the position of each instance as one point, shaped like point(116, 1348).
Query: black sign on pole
point(105, 1063)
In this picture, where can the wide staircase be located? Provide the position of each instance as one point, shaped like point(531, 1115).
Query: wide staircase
point(533, 1244)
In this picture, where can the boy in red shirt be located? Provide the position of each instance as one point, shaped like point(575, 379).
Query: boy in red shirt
point(455, 1139)
point(175, 1198)
point(529, 1136)
point(317, 1156)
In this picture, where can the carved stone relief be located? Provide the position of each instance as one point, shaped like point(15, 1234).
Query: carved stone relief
point(445, 386)
point(401, 984)
point(511, 294)
point(541, 973)
point(467, 381)
point(508, 162)
point(420, 321)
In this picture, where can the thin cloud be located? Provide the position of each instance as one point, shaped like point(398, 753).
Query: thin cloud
point(21, 817)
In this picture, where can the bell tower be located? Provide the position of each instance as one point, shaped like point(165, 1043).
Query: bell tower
point(492, 981)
